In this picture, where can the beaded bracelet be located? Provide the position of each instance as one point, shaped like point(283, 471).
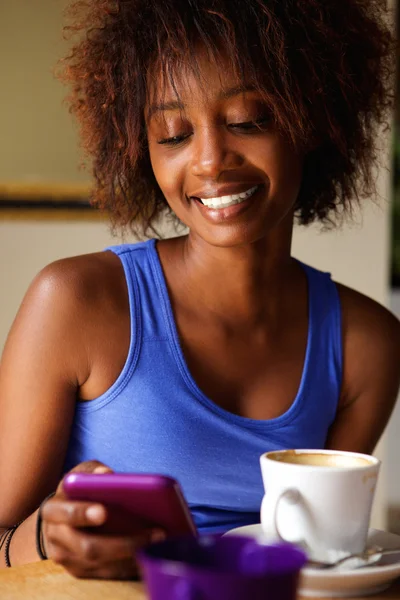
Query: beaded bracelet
point(11, 532)
point(39, 534)
point(4, 537)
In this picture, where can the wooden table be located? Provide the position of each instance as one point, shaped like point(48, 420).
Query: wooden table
point(47, 581)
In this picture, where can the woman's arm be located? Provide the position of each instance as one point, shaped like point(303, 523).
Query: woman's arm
point(47, 358)
point(371, 376)
point(42, 366)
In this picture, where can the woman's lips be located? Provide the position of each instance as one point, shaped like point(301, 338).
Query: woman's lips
point(224, 201)
point(226, 189)
point(218, 215)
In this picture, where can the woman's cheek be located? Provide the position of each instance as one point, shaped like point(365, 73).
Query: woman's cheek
point(170, 175)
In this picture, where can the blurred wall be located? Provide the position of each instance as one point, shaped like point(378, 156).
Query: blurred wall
point(38, 139)
point(39, 143)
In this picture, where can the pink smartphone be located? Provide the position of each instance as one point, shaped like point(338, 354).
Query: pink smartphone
point(134, 501)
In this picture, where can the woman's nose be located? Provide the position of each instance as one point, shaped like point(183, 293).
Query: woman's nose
point(212, 155)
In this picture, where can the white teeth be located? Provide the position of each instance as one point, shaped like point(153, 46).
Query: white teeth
point(224, 201)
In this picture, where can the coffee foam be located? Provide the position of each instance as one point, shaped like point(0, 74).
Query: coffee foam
point(315, 459)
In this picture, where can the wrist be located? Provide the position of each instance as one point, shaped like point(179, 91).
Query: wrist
point(40, 537)
point(22, 544)
point(7, 545)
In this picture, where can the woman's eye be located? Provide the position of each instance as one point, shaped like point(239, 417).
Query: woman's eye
point(256, 125)
point(259, 124)
point(173, 141)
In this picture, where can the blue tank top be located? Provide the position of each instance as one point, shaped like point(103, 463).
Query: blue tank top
point(155, 419)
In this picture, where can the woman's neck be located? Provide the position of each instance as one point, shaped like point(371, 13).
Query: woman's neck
point(245, 285)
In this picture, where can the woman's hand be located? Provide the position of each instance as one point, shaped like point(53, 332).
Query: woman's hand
point(89, 554)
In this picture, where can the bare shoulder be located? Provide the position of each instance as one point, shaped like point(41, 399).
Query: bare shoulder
point(365, 320)
point(371, 372)
point(66, 309)
point(371, 343)
point(75, 296)
point(80, 280)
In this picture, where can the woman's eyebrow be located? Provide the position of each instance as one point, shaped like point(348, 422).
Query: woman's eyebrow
point(164, 106)
point(177, 105)
point(236, 90)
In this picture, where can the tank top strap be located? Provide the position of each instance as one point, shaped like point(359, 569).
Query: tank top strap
point(325, 357)
point(147, 322)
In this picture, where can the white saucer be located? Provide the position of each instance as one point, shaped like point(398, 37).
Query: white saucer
point(345, 583)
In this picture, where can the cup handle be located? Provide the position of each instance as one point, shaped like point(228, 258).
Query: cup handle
point(292, 496)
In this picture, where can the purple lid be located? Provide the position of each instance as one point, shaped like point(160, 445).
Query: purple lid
point(215, 568)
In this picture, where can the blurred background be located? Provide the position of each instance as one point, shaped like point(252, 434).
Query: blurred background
point(44, 213)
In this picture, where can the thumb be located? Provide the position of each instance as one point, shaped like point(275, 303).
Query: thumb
point(91, 466)
point(102, 469)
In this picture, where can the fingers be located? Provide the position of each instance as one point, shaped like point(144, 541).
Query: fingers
point(91, 466)
point(93, 555)
point(92, 550)
point(74, 513)
point(89, 553)
point(125, 570)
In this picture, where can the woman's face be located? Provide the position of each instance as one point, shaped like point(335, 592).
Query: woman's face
point(223, 168)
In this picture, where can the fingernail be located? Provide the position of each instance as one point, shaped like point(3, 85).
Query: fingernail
point(101, 470)
point(95, 514)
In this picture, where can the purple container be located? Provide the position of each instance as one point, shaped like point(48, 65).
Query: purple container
point(221, 568)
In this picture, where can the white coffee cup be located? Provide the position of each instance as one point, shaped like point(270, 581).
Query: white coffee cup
point(320, 499)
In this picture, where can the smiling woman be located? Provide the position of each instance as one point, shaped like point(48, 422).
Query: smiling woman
point(324, 92)
point(192, 356)
point(230, 160)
